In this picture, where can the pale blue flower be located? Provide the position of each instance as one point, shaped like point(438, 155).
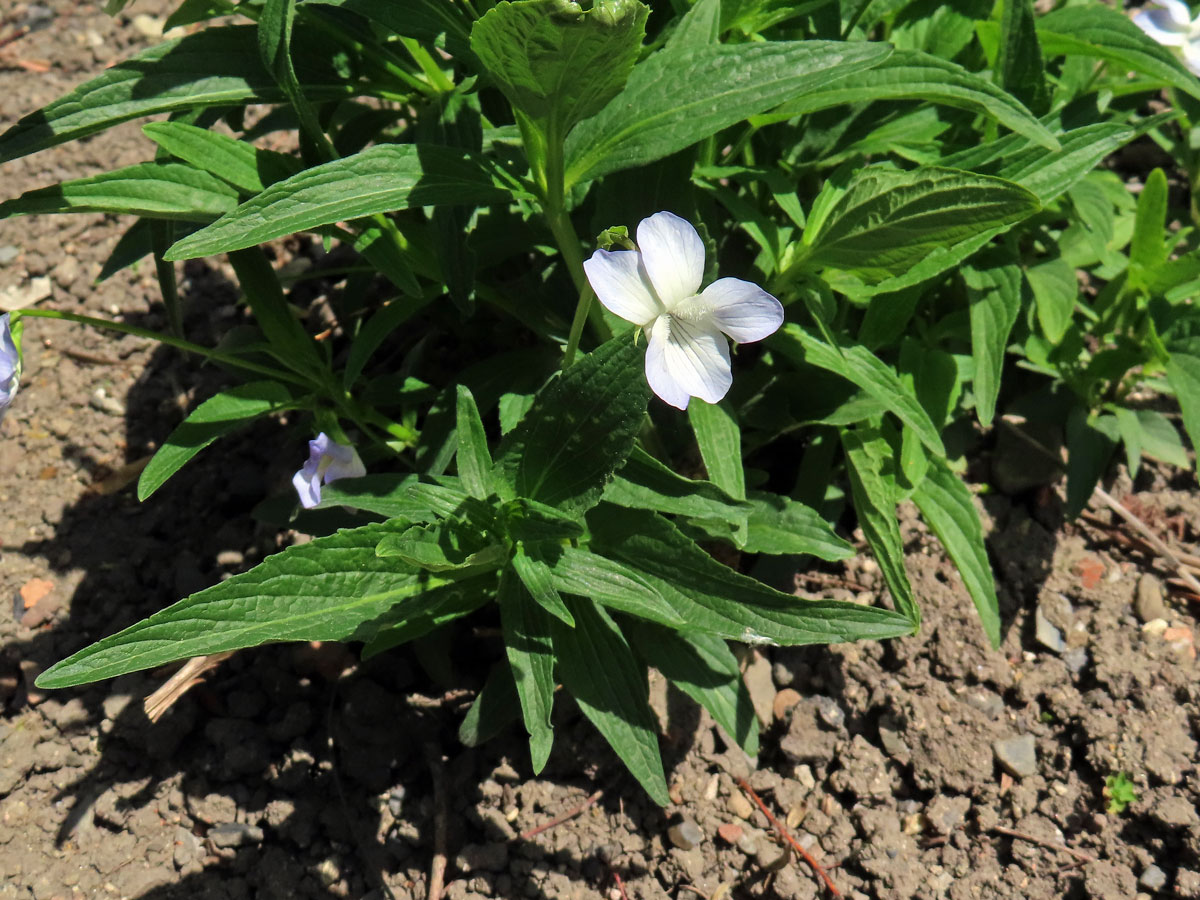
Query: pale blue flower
point(657, 287)
point(1170, 23)
point(327, 461)
point(10, 366)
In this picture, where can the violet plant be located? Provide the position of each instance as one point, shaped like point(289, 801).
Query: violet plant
point(899, 196)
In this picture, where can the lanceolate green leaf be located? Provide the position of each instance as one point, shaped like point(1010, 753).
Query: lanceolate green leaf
point(427, 20)
point(332, 589)
point(704, 668)
point(235, 162)
point(215, 67)
point(580, 429)
point(530, 653)
point(645, 483)
point(779, 525)
point(1183, 371)
point(474, 462)
point(150, 190)
point(860, 366)
point(717, 600)
point(379, 179)
point(1019, 66)
point(914, 75)
point(945, 503)
point(612, 584)
point(875, 504)
point(674, 99)
point(556, 62)
point(535, 574)
point(994, 287)
point(720, 441)
point(215, 417)
point(889, 219)
point(1102, 33)
point(600, 671)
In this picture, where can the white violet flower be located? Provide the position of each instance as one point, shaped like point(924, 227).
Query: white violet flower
point(1171, 24)
point(657, 287)
point(10, 366)
point(327, 461)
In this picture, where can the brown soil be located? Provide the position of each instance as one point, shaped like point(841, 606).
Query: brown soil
point(285, 776)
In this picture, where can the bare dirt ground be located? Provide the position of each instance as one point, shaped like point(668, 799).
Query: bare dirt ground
point(929, 767)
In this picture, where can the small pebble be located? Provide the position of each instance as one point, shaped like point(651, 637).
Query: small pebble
point(1046, 633)
point(1076, 660)
point(729, 832)
point(685, 834)
point(1153, 878)
point(7, 254)
point(740, 806)
point(1017, 755)
point(805, 776)
point(1149, 603)
point(829, 711)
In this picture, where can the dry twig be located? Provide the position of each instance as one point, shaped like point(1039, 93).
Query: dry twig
point(1042, 842)
point(525, 835)
point(786, 835)
point(188, 676)
point(437, 868)
point(1150, 537)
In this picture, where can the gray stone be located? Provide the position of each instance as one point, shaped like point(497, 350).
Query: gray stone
point(685, 834)
point(1153, 878)
point(1076, 660)
point(889, 736)
point(1046, 633)
point(8, 253)
point(829, 711)
point(946, 813)
point(234, 834)
point(1149, 604)
point(1017, 755)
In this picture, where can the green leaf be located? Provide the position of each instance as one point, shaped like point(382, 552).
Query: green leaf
point(645, 483)
point(1019, 64)
point(704, 668)
point(275, 51)
point(527, 642)
point(407, 498)
point(717, 600)
point(994, 287)
point(1050, 174)
point(474, 461)
point(720, 440)
point(529, 521)
point(1183, 372)
point(556, 62)
point(875, 505)
point(494, 708)
point(1148, 250)
point(375, 331)
point(946, 504)
point(599, 669)
point(1098, 32)
point(215, 417)
point(150, 190)
point(447, 603)
point(860, 366)
point(913, 75)
point(189, 12)
point(538, 579)
point(580, 429)
point(445, 546)
point(380, 179)
point(332, 589)
point(434, 21)
point(889, 220)
point(215, 67)
point(1055, 290)
point(235, 162)
point(263, 294)
point(779, 525)
point(672, 100)
point(1091, 441)
point(611, 584)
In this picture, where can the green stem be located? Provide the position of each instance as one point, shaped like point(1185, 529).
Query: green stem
point(433, 72)
point(170, 341)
